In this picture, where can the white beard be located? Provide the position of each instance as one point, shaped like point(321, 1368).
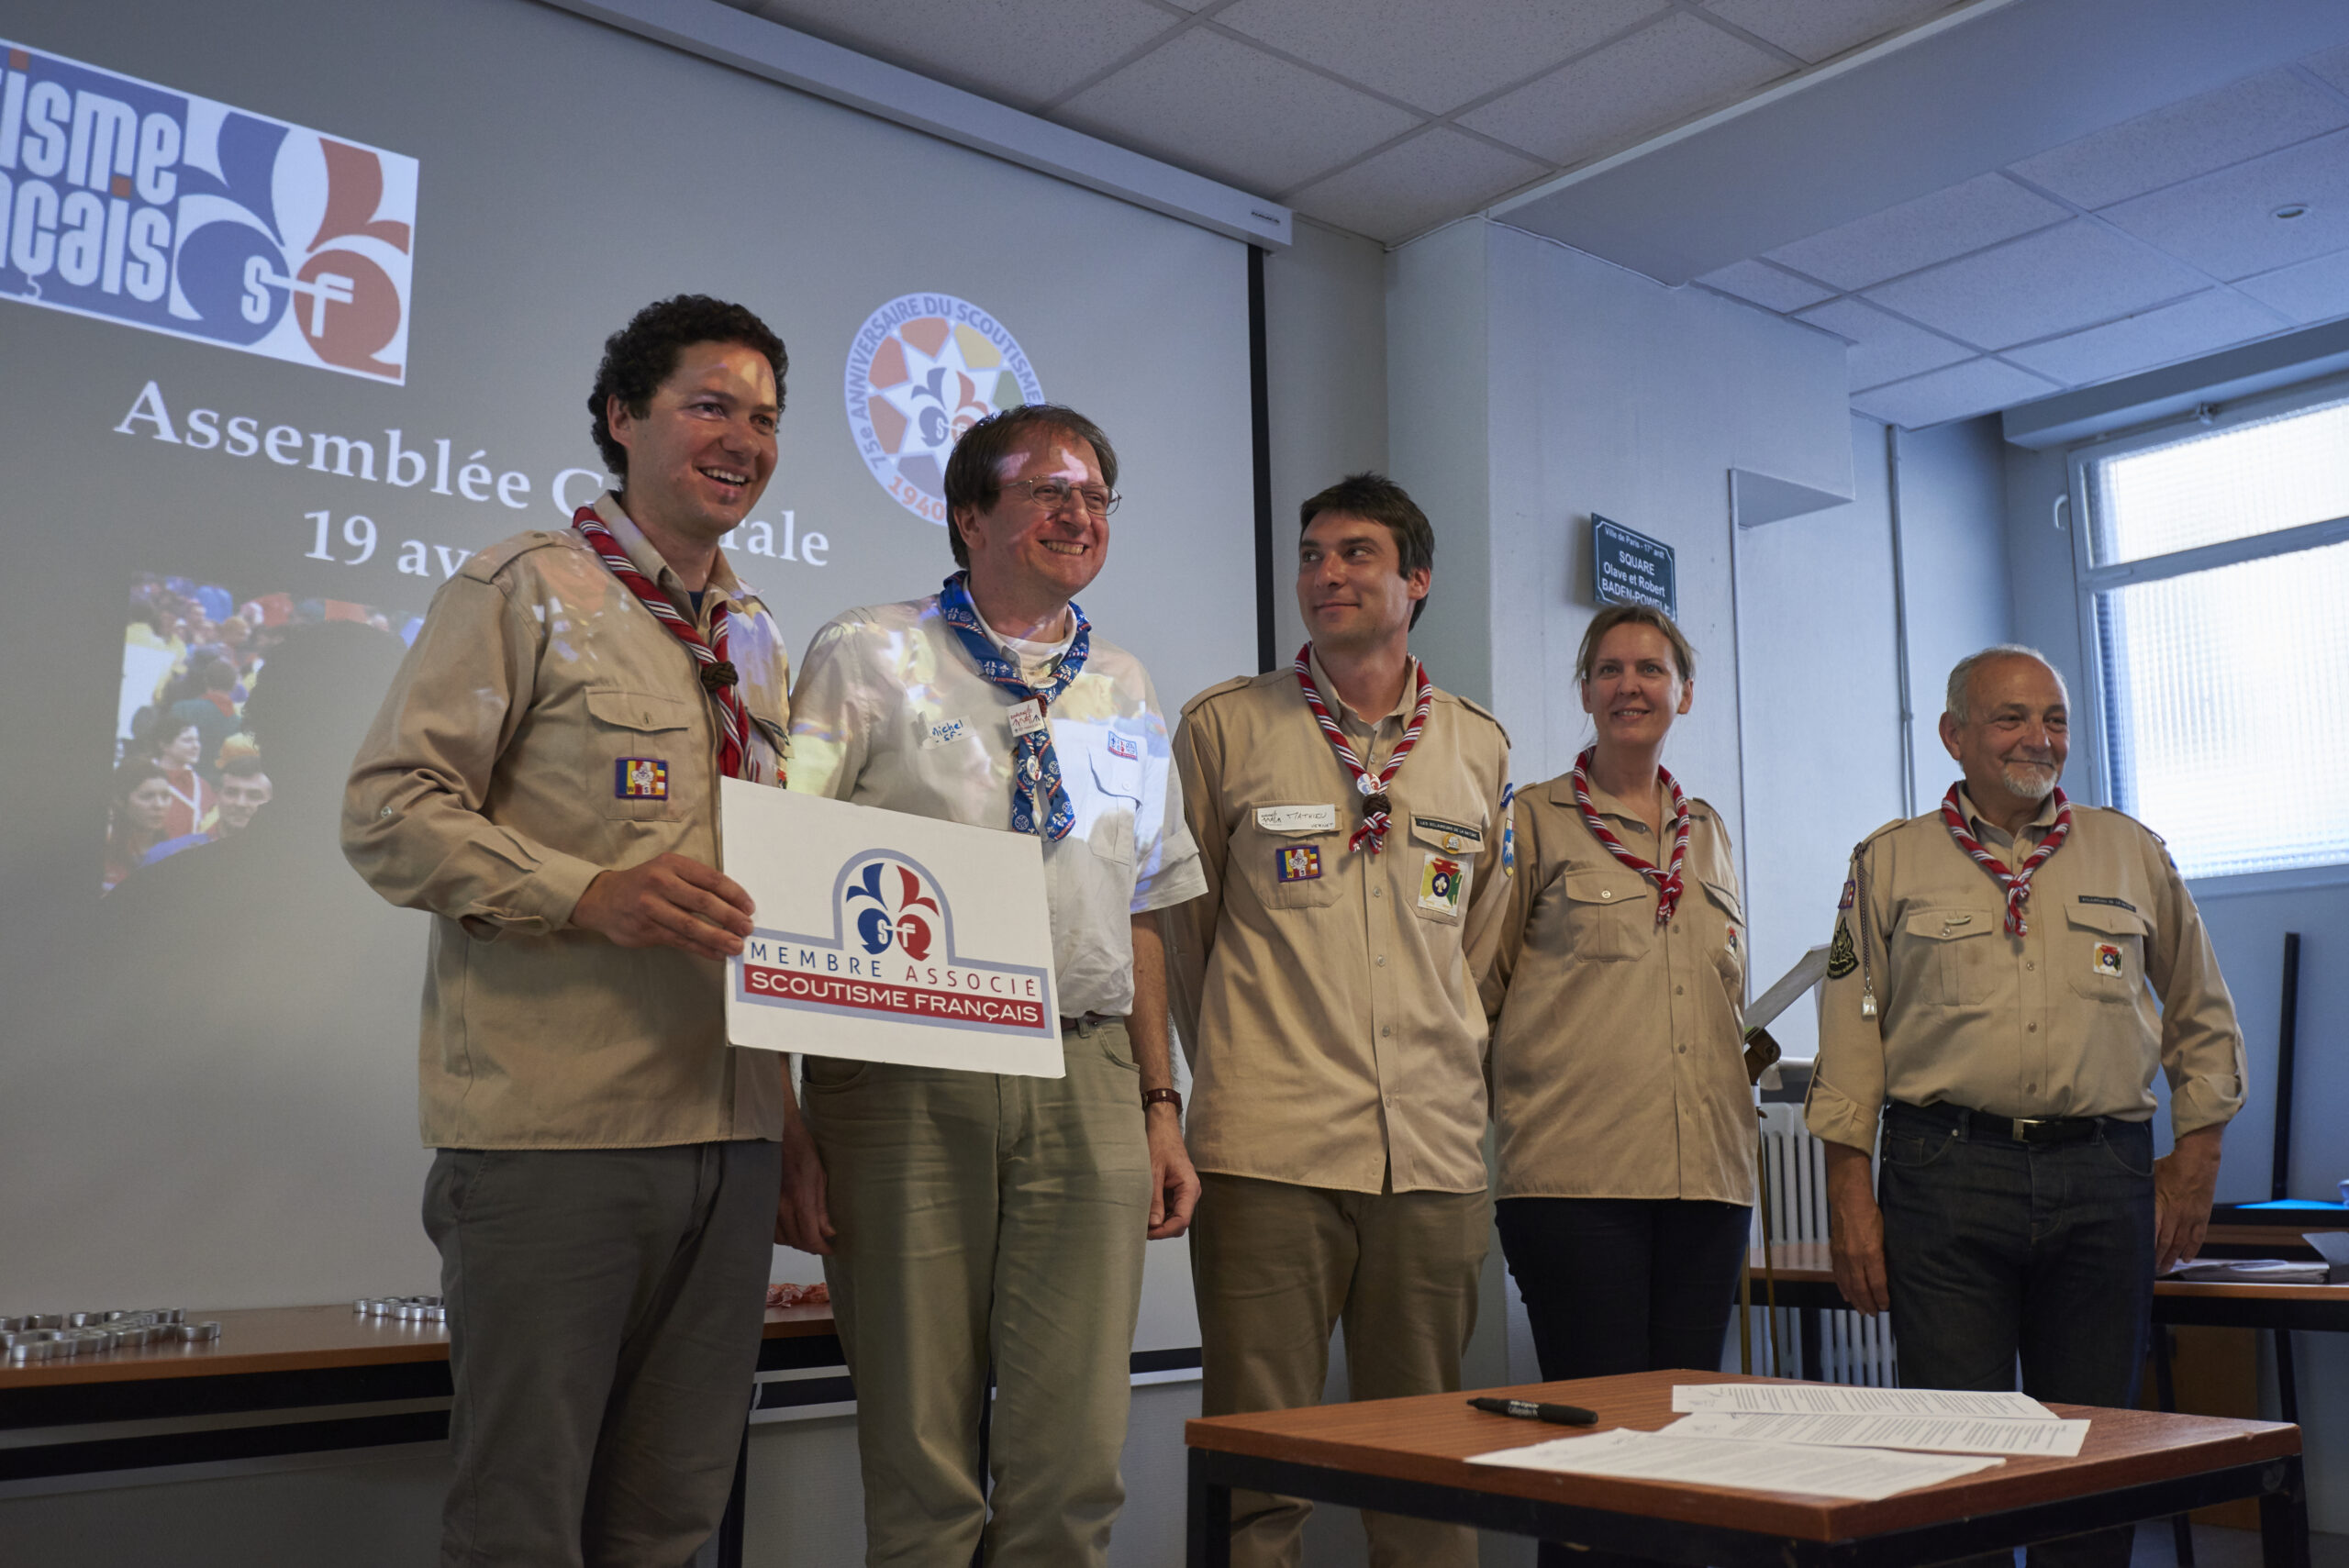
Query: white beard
point(2027, 784)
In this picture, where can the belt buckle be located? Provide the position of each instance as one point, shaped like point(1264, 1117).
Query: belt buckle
point(2021, 1127)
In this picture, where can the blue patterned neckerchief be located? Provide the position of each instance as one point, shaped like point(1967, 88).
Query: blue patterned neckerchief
point(1034, 762)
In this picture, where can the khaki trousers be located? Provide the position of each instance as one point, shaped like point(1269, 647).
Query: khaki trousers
point(986, 1219)
point(1276, 1266)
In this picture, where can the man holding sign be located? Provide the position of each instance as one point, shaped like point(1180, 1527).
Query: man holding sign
point(976, 1217)
point(543, 777)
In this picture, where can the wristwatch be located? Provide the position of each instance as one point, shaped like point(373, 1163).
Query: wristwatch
point(1168, 1097)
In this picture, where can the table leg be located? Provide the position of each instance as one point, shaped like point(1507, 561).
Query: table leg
point(2284, 1520)
point(1208, 1524)
point(2288, 1385)
point(2165, 1397)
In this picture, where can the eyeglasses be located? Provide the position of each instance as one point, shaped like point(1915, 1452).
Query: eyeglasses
point(1055, 493)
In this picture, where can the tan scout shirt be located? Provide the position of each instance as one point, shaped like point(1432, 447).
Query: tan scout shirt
point(1618, 1066)
point(2057, 1023)
point(1327, 997)
point(494, 787)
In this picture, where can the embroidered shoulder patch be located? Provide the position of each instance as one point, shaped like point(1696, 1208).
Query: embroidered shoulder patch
point(1843, 958)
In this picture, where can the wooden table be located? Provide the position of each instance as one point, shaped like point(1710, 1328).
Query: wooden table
point(372, 1383)
point(1406, 1456)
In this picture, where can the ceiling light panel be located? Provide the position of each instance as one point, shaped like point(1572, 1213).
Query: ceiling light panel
point(1433, 55)
point(2243, 120)
point(1936, 228)
point(2056, 280)
point(2223, 223)
point(1197, 100)
point(1673, 70)
point(1415, 184)
point(1818, 29)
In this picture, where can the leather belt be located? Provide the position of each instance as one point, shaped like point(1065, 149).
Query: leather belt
point(1086, 1023)
point(1981, 1126)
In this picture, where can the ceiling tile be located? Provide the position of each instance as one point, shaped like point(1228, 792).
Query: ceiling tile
point(2218, 319)
point(1818, 28)
point(1439, 174)
point(2243, 120)
point(1660, 76)
point(1978, 386)
point(1981, 211)
point(1424, 54)
point(2223, 223)
point(1201, 100)
point(1022, 52)
point(1761, 284)
point(2058, 279)
point(1883, 347)
point(2332, 65)
point(2313, 291)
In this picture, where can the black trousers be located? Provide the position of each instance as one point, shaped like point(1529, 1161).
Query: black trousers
point(1622, 1284)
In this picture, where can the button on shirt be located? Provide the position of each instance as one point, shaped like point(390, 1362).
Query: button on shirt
point(890, 711)
point(1619, 1067)
point(545, 728)
point(1327, 996)
point(2060, 1022)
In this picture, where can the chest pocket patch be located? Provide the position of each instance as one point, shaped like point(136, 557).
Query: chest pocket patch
point(2106, 940)
point(639, 751)
point(1953, 956)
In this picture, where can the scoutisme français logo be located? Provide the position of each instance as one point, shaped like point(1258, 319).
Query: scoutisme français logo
point(891, 953)
point(923, 369)
point(138, 204)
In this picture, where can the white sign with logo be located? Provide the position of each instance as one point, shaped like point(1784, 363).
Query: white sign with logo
point(883, 937)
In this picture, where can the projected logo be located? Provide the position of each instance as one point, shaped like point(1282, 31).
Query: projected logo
point(923, 369)
point(131, 202)
point(891, 952)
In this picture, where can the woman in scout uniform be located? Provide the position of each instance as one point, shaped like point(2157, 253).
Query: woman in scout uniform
point(1619, 1092)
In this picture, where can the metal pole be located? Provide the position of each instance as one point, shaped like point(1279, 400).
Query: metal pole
point(2286, 1043)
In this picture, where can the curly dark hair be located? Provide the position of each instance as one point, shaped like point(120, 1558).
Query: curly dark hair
point(641, 355)
point(1375, 498)
point(972, 485)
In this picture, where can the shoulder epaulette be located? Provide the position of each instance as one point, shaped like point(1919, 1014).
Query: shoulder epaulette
point(486, 563)
point(1233, 684)
point(2113, 811)
point(1482, 712)
point(1880, 832)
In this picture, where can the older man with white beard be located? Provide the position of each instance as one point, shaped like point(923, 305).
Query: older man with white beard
point(2007, 971)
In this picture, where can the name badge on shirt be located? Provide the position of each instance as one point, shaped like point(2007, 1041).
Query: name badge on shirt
point(1300, 863)
point(1027, 717)
point(640, 778)
point(2107, 960)
point(1298, 819)
point(945, 732)
point(1440, 881)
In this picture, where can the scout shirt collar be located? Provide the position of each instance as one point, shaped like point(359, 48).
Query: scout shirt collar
point(1991, 834)
point(722, 585)
point(1400, 713)
point(1562, 793)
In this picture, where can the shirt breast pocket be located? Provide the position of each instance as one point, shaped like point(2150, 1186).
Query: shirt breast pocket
point(1291, 861)
point(1608, 920)
point(1109, 826)
point(2103, 950)
point(1728, 939)
point(1949, 955)
point(639, 751)
point(1446, 850)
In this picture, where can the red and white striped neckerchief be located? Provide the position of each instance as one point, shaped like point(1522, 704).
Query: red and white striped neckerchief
point(718, 677)
point(2015, 884)
point(1667, 884)
point(1376, 806)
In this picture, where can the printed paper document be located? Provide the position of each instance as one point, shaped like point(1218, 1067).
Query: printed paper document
point(1937, 1434)
point(1867, 1474)
point(1825, 1399)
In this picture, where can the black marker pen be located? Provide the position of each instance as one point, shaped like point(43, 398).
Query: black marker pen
point(1528, 1410)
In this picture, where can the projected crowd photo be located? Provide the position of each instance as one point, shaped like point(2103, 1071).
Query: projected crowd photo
point(190, 768)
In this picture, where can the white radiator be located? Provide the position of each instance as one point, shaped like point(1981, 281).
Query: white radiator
point(1849, 1347)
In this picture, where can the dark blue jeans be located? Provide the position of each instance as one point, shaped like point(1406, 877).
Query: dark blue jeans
point(1998, 1250)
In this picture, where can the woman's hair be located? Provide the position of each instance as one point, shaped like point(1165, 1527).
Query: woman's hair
point(1613, 616)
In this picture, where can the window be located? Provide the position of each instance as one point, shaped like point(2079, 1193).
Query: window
point(2215, 589)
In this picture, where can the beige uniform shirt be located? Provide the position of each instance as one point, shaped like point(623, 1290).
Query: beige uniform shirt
point(1619, 1067)
point(1327, 997)
point(545, 728)
point(890, 711)
point(2115, 978)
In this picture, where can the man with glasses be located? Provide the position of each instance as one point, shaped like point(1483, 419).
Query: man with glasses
point(978, 1222)
point(2008, 974)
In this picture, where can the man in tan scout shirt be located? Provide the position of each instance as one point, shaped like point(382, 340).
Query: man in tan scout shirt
point(543, 778)
point(1326, 989)
point(2007, 973)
